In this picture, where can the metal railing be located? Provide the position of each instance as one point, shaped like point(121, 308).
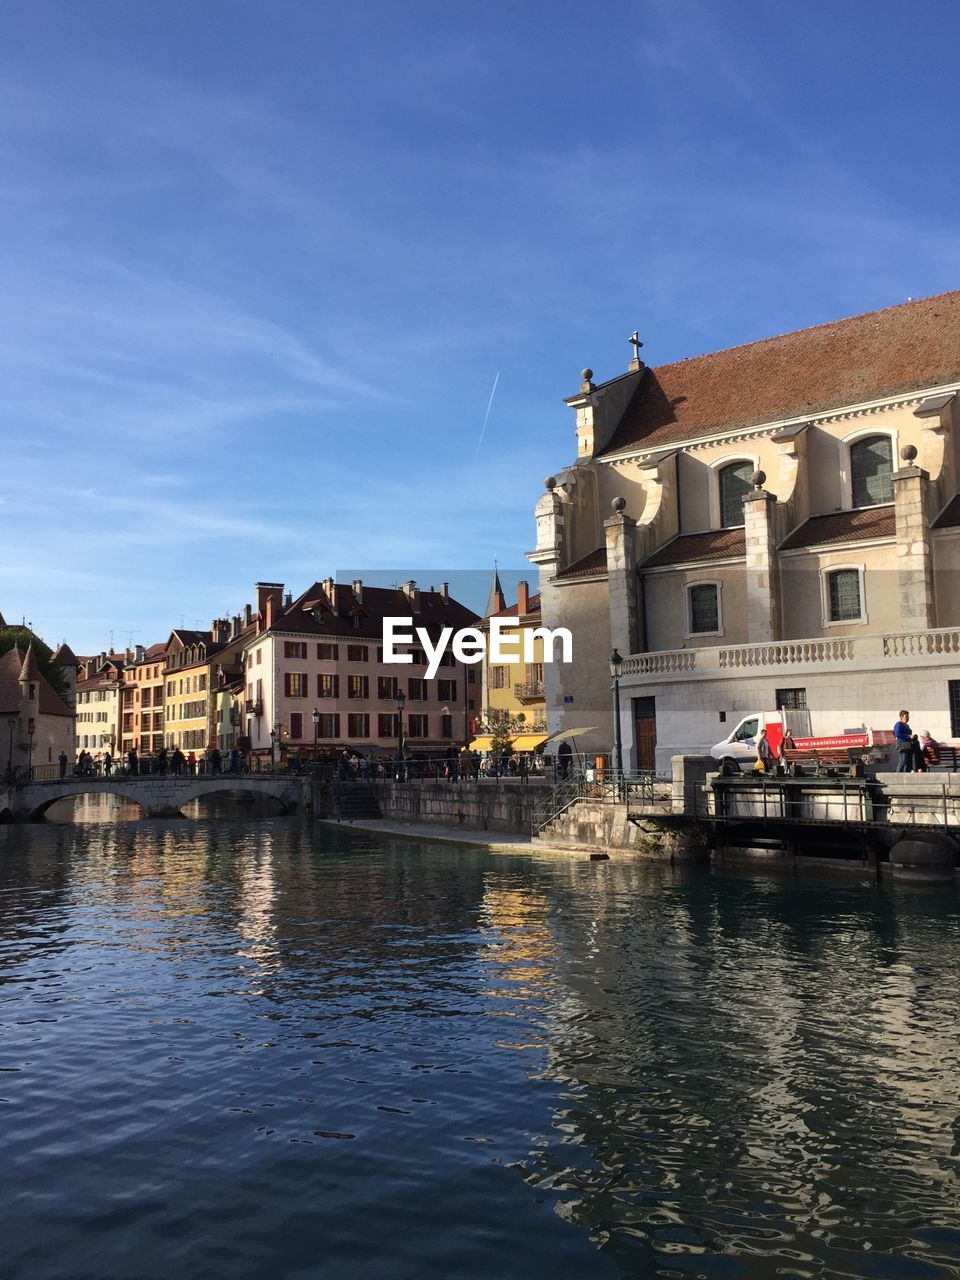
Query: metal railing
point(604, 786)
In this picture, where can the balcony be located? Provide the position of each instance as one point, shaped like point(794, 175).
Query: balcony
point(255, 707)
point(531, 691)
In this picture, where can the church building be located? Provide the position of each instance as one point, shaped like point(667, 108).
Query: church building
point(772, 525)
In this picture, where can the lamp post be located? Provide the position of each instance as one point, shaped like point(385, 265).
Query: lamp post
point(274, 739)
point(31, 730)
point(316, 733)
point(616, 671)
point(11, 725)
point(401, 703)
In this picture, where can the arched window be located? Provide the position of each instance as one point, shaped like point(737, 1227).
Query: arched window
point(734, 487)
point(871, 471)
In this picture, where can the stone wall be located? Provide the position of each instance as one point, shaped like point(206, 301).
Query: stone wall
point(483, 806)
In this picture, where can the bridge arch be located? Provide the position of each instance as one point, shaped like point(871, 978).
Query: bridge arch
point(158, 796)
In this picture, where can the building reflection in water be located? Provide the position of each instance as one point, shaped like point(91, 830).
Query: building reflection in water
point(740, 1061)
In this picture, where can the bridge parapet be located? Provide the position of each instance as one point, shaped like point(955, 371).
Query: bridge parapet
point(158, 796)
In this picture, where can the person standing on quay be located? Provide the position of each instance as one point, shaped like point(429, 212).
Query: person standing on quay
point(904, 738)
point(63, 764)
point(132, 761)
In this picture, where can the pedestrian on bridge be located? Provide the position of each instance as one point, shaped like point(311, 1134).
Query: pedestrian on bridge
point(63, 764)
point(133, 763)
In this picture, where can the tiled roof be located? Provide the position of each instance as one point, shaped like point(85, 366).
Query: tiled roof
point(949, 517)
point(51, 704)
point(10, 664)
point(587, 566)
point(377, 603)
point(12, 669)
point(843, 526)
point(533, 606)
point(715, 544)
point(30, 669)
point(65, 657)
point(866, 357)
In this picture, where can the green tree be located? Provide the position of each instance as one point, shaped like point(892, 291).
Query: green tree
point(498, 722)
point(21, 637)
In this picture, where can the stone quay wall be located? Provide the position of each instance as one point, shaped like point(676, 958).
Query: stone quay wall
point(482, 806)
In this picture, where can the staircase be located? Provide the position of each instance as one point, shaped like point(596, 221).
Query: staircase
point(355, 801)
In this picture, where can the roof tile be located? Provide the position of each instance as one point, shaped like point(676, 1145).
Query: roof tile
point(715, 544)
point(843, 526)
point(882, 353)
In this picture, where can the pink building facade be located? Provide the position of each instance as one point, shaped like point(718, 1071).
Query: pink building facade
point(323, 653)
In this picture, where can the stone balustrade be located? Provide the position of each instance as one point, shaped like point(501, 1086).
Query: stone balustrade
point(860, 652)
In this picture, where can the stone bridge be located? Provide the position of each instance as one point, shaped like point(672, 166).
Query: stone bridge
point(159, 797)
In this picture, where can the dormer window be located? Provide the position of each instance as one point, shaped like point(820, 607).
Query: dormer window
point(735, 484)
point(871, 471)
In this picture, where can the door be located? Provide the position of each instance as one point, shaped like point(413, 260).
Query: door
point(645, 722)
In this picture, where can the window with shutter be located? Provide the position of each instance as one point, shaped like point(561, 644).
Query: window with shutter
point(704, 609)
point(871, 471)
point(844, 594)
point(734, 487)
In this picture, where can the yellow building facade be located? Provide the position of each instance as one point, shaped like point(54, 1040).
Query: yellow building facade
point(513, 693)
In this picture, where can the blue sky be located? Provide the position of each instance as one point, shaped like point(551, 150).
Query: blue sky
point(262, 262)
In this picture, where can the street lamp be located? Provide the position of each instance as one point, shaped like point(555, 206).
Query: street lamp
point(401, 703)
point(274, 739)
point(616, 671)
point(31, 730)
point(316, 733)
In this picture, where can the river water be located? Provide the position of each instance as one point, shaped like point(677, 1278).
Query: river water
point(236, 1049)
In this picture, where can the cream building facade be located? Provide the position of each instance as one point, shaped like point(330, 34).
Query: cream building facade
point(774, 524)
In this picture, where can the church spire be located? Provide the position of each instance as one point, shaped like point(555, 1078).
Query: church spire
point(496, 602)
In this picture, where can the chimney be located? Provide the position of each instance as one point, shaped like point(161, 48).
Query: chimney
point(523, 598)
point(444, 591)
point(220, 631)
point(288, 600)
point(328, 589)
point(103, 658)
point(269, 602)
point(412, 594)
point(247, 614)
point(358, 590)
point(235, 626)
point(139, 653)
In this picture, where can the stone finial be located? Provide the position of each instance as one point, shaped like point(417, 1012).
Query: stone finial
point(551, 483)
point(908, 453)
point(619, 505)
point(758, 479)
point(586, 375)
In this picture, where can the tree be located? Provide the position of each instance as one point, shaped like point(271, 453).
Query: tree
point(501, 739)
point(22, 637)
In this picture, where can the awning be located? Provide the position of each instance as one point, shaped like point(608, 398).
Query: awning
point(518, 742)
point(573, 733)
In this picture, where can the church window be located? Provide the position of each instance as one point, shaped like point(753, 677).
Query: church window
point(844, 596)
point(871, 471)
point(703, 609)
point(734, 487)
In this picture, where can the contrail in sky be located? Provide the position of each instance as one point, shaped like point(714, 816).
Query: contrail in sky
point(486, 416)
